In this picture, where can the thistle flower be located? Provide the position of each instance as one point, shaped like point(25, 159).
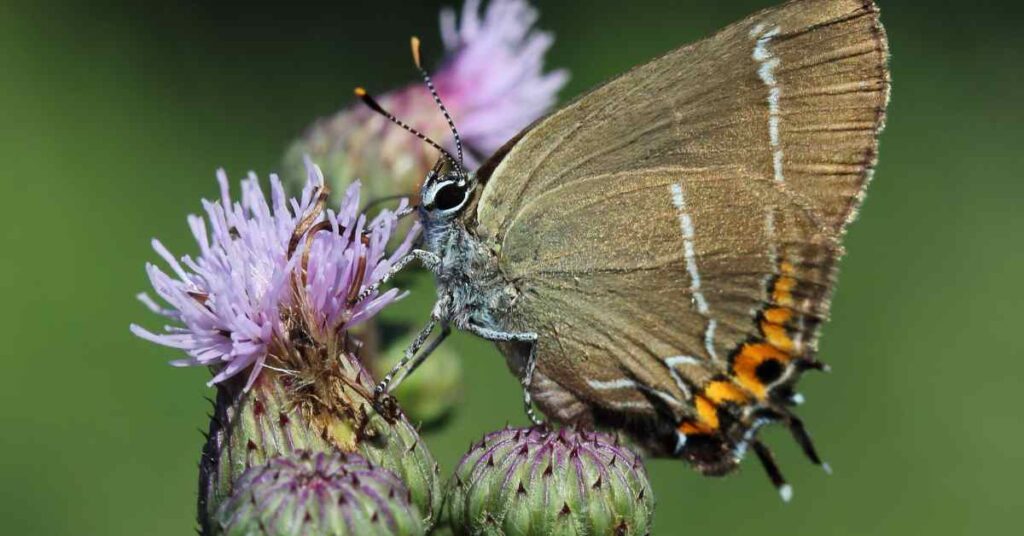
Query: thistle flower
point(491, 78)
point(276, 289)
point(252, 282)
point(317, 493)
point(538, 481)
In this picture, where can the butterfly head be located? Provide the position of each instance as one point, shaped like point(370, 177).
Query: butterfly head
point(446, 192)
point(448, 187)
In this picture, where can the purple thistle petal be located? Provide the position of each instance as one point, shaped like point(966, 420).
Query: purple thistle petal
point(231, 300)
point(154, 307)
point(493, 78)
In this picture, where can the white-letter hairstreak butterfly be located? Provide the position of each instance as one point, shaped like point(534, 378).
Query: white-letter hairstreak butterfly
point(657, 256)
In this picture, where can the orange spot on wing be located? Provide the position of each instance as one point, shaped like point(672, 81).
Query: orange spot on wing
point(777, 336)
point(688, 428)
point(707, 413)
point(773, 325)
point(782, 291)
point(778, 315)
point(725, 391)
point(706, 404)
point(745, 364)
point(707, 419)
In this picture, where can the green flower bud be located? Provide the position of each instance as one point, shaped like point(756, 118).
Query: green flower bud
point(393, 443)
point(319, 493)
point(283, 414)
point(248, 429)
point(537, 481)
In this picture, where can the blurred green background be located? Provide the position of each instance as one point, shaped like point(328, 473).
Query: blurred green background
point(113, 117)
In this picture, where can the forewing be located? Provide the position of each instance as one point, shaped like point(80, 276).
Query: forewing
point(689, 212)
point(796, 93)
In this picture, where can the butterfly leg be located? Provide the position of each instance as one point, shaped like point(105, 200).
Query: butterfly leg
point(531, 361)
point(389, 381)
point(429, 260)
point(531, 366)
point(425, 353)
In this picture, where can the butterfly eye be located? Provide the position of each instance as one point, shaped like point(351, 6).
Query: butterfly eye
point(449, 197)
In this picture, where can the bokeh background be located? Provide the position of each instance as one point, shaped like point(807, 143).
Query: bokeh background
point(113, 117)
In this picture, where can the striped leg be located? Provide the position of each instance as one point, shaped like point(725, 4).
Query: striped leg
point(425, 353)
point(386, 384)
point(527, 379)
point(531, 361)
point(429, 260)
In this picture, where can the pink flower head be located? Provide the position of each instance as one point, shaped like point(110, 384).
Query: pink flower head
point(265, 264)
point(493, 75)
point(491, 78)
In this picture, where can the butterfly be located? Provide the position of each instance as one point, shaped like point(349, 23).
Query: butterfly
point(657, 257)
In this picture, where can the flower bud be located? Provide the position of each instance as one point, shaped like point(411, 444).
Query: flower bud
point(319, 493)
point(247, 430)
point(277, 417)
point(536, 481)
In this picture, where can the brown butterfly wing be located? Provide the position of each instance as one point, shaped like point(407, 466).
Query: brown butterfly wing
point(674, 232)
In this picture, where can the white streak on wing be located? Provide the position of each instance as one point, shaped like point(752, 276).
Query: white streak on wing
point(690, 255)
point(709, 338)
point(769, 226)
point(662, 395)
point(621, 383)
point(680, 442)
point(768, 64)
point(626, 383)
point(689, 252)
point(681, 360)
point(676, 361)
point(672, 363)
point(773, 255)
point(741, 448)
point(680, 383)
point(629, 404)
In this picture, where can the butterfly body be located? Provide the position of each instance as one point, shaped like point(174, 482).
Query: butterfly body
point(471, 291)
point(657, 256)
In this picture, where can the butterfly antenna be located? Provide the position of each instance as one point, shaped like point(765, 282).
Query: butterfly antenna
point(411, 209)
point(373, 203)
point(415, 43)
point(400, 213)
point(376, 107)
